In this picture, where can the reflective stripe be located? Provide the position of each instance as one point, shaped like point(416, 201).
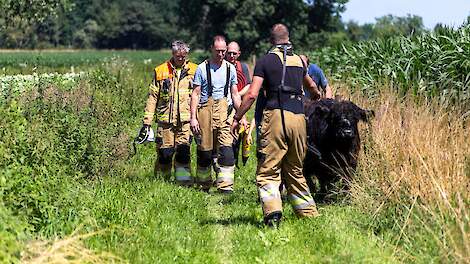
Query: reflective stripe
point(269, 191)
point(149, 114)
point(182, 174)
point(301, 202)
point(183, 92)
point(153, 88)
point(204, 174)
point(226, 174)
point(162, 116)
point(184, 115)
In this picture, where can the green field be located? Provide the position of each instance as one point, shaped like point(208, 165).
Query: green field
point(66, 172)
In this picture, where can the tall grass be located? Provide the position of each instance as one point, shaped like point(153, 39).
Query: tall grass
point(414, 177)
point(52, 141)
point(435, 64)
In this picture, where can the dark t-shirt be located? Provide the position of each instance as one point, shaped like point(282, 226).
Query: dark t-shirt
point(269, 67)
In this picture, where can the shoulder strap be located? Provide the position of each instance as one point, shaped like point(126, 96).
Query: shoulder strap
point(227, 81)
point(284, 66)
point(209, 79)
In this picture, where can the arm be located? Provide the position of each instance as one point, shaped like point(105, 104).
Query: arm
point(312, 87)
point(248, 100)
point(195, 94)
point(236, 98)
point(249, 97)
point(151, 104)
point(328, 92)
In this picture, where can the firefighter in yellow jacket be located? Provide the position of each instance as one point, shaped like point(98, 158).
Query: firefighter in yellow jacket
point(168, 100)
point(283, 135)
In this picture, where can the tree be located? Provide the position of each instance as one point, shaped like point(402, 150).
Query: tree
point(249, 21)
point(389, 26)
point(32, 11)
point(21, 19)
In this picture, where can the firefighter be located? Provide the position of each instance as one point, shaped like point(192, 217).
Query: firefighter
point(215, 89)
point(169, 98)
point(244, 138)
point(283, 136)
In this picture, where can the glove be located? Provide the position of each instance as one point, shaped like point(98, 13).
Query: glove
point(144, 134)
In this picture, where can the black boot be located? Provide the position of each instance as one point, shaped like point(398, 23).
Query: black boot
point(273, 220)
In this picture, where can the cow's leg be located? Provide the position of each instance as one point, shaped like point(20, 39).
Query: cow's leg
point(321, 194)
point(310, 183)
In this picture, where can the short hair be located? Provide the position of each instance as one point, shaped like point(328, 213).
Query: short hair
point(179, 45)
point(218, 38)
point(279, 34)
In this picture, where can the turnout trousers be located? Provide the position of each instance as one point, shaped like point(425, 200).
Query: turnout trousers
point(215, 131)
point(173, 151)
point(281, 160)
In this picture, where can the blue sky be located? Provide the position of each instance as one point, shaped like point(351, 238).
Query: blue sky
point(449, 12)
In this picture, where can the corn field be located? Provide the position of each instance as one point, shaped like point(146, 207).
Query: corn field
point(435, 64)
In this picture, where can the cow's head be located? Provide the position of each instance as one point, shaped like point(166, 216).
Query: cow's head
point(338, 119)
point(343, 118)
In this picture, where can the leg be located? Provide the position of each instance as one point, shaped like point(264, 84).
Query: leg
point(204, 149)
point(272, 149)
point(165, 147)
point(225, 158)
point(183, 156)
point(292, 167)
point(225, 176)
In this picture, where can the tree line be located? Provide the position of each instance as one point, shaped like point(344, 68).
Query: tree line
point(153, 24)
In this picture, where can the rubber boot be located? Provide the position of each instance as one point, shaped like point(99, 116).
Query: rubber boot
point(273, 220)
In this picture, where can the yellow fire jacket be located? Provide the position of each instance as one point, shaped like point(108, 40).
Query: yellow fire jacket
point(169, 95)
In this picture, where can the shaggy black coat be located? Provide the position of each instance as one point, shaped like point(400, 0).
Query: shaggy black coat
point(333, 142)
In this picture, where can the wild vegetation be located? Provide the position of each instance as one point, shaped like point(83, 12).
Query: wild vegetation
point(71, 189)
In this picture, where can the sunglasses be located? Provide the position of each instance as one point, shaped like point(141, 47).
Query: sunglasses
point(232, 53)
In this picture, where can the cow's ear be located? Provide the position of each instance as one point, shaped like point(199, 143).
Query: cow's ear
point(322, 111)
point(366, 115)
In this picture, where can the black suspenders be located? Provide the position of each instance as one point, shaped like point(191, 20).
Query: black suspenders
point(281, 87)
point(210, 88)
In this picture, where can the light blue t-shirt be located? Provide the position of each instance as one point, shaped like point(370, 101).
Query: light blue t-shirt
point(219, 77)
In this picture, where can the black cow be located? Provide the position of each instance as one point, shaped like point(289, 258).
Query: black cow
point(333, 142)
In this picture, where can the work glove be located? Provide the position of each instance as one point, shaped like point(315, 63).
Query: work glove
point(145, 135)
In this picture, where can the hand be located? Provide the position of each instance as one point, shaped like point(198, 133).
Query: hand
point(143, 134)
point(234, 128)
point(195, 126)
point(244, 123)
point(249, 138)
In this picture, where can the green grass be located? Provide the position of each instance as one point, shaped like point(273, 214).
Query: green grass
point(25, 62)
point(153, 221)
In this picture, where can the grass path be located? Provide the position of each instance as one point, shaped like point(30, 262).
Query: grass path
point(152, 221)
point(223, 232)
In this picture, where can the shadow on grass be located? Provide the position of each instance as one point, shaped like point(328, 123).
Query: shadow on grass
point(238, 220)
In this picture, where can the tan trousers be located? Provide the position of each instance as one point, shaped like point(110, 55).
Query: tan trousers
point(281, 159)
point(168, 138)
point(215, 131)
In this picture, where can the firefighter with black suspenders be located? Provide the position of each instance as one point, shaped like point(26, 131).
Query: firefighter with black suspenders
point(215, 89)
point(283, 140)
